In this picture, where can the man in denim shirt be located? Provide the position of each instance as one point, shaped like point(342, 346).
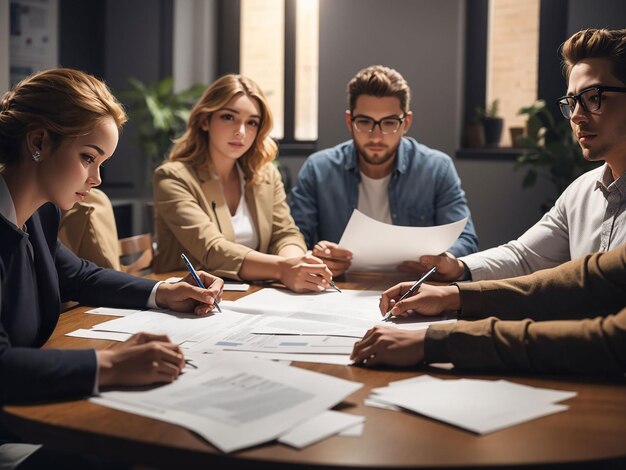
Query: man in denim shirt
point(389, 177)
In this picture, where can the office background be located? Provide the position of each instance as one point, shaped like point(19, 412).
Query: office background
point(437, 45)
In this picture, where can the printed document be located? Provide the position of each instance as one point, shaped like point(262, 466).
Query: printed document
point(377, 246)
point(236, 403)
point(479, 406)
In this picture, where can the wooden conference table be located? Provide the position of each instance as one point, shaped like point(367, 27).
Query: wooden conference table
point(591, 432)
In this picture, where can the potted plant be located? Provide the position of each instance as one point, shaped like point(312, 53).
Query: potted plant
point(550, 151)
point(475, 133)
point(492, 123)
point(159, 113)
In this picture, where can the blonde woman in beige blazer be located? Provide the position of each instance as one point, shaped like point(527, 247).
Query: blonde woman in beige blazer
point(220, 200)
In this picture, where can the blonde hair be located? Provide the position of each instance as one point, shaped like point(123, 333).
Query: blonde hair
point(379, 81)
point(596, 43)
point(193, 146)
point(67, 103)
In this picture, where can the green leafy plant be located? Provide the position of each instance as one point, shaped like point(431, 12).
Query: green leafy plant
point(159, 113)
point(550, 151)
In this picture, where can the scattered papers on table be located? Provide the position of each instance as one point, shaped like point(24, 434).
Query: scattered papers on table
point(320, 427)
point(235, 403)
point(480, 406)
point(114, 312)
point(320, 327)
point(377, 246)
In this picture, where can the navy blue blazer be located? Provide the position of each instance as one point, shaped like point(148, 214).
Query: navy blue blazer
point(32, 289)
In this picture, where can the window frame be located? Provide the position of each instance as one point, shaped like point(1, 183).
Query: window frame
point(552, 33)
point(229, 37)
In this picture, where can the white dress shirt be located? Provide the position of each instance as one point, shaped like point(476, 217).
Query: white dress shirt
point(588, 217)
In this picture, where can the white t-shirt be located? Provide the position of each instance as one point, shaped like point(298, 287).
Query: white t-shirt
point(374, 198)
point(243, 225)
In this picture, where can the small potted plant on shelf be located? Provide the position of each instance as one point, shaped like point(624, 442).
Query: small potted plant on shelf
point(492, 123)
point(485, 130)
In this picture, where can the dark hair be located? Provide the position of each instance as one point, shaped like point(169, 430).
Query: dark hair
point(379, 81)
point(67, 103)
point(596, 43)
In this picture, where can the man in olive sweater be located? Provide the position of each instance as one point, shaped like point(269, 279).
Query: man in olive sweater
point(570, 319)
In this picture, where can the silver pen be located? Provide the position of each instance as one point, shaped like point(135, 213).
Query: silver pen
point(416, 285)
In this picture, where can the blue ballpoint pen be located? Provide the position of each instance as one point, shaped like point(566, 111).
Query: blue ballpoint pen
point(197, 279)
point(413, 288)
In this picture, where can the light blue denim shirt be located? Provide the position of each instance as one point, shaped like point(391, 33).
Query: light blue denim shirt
point(424, 191)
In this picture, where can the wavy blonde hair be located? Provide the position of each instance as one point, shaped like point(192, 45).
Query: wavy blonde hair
point(65, 102)
point(193, 146)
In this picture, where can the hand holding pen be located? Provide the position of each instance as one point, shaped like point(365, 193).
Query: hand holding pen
point(388, 302)
point(330, 281)
point(199, 283)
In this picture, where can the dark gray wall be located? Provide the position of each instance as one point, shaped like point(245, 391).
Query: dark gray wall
point(138, 44)
point(595, 14)
point(419, 38)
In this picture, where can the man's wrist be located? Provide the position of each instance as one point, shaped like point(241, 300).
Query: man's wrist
point(452, 297)
point(466, 274)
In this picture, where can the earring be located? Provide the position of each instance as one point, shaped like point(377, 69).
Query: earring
point(37, 156)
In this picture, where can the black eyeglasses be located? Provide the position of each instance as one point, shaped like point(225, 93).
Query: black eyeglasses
point(589, 98)
point(387, 125)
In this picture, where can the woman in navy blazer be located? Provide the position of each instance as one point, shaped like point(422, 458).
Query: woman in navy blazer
point(57, 127)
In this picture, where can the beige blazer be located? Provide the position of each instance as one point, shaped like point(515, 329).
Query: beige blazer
point(192, 217)
point(89, 230)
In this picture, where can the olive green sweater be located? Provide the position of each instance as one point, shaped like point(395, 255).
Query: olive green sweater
point(569, 319)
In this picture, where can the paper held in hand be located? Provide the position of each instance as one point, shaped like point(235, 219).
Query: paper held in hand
point(377, 246)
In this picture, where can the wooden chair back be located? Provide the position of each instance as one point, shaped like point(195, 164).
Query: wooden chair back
point(136, 254)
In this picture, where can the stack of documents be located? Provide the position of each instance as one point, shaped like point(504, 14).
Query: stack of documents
point(480, 406)
point(236, 403)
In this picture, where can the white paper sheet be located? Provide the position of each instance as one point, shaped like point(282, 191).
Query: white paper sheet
point(179, 327)
point(319, 427)
point(236, 403)
point(350, 308)
point(91, 334)
point(480, 406)
point(377, 246)
point(353, 431)
point(240, 338)
point(228, 285)
point(337, 359)
point(271, 325)
point(114, 312)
